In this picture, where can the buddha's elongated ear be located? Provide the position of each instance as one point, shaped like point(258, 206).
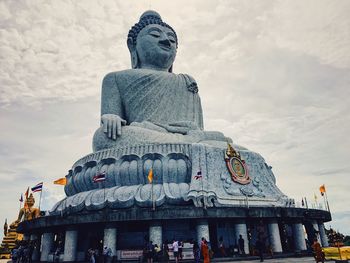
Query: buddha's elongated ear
point(133, 53)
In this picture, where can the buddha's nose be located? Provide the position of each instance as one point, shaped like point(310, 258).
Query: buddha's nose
point(165, 41)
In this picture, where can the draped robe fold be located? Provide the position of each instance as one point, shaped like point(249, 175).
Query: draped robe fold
point(159, 97)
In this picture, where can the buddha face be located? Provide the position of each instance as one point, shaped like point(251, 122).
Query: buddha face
point(156, 47)
point(30, 201)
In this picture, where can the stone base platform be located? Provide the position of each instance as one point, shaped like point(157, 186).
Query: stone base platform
point(124, 229)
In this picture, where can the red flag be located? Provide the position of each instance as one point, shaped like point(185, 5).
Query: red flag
point(100, 177)
point(198, 176)
point(27, 193)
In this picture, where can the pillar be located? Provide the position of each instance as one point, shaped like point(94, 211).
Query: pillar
point(155, 233)
point(110, 238)
point(70, 245)
point(274, 236)
point(36, 250)
point(46, 245)
point(202, 229)
point(299, 237)
point(323, 236)
point(315, 227)
point(241, 229)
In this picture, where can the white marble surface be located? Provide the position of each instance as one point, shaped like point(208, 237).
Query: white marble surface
point(156, 234)
point(274, 237)
point(70, 245)
point(46, 245)
point(299, 237)
point(110, 239)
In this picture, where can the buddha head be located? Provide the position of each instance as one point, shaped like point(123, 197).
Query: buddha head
point(30, 201)
point(152, 43)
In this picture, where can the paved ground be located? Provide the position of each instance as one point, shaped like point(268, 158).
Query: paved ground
point(284, 260)
point(277, 260)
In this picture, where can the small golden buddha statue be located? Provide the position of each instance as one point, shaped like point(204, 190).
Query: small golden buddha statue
point(28, 212)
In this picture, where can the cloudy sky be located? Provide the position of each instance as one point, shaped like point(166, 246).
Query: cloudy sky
point(272, 75)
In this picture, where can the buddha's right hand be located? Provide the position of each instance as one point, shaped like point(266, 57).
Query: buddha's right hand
point(112, 125)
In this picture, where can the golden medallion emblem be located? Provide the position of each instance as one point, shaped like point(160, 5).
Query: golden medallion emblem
point(236, 166)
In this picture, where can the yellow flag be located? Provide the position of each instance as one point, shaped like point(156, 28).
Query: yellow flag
point(150, 176)
point(61, 181)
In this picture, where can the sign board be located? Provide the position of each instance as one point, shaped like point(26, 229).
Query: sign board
point(129, 254)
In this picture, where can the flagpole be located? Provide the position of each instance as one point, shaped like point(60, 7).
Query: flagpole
point(324, 201)
point(307, 207)
point(202, 179)
point(325, 194)
point(316, 203)
point(153, 203)
point(40, 198)
point(104, 191)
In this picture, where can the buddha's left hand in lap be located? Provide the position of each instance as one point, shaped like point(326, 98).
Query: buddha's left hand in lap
point(182, 127)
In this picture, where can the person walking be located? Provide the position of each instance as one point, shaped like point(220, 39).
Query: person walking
point(176, 250)
point(241, 245)
point(317, 251)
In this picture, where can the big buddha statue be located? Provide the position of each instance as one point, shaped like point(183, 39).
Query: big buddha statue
point(151, 118)
point(149, 103)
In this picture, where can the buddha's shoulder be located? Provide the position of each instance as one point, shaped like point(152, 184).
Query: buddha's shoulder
point(126, 76)
point(119, 74)
point(139, 72)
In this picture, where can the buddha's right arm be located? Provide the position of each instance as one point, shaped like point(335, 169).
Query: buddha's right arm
point(112, 113)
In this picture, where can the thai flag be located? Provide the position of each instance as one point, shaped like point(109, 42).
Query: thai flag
point(99, 177)
point(199, 175)
point(37, 188)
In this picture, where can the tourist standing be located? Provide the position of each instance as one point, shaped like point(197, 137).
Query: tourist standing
point(150, 252)
point(107, 254)
point(205, 250)
point(196, 253)
point(91, 255)
point(241, 245)
point(165, 252)
point(260, 246)
point(181, 245)
point(176, 250)
point(222, 248)
point(14, 255)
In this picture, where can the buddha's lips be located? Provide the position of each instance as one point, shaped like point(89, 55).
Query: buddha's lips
point(165, 47)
